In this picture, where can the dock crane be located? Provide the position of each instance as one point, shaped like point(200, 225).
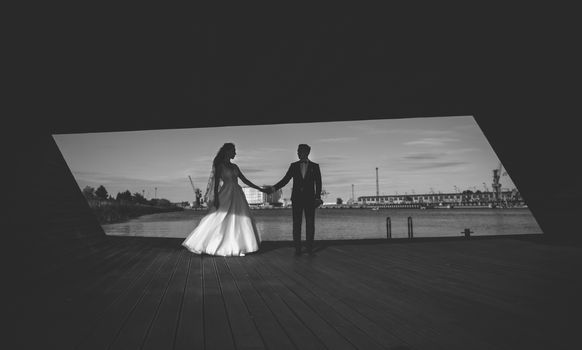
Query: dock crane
point(197, 193)
point(496, 185)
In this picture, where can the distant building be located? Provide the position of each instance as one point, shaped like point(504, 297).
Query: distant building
point(434, 198)
point(254, 196)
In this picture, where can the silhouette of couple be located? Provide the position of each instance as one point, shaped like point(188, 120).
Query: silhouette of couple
point(229, 228)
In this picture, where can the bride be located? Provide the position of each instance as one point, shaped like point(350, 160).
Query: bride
point(228, 229)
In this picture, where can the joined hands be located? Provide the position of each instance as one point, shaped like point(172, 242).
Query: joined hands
point(267, 189)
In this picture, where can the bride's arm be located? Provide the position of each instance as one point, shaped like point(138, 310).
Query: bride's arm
point(245, 180)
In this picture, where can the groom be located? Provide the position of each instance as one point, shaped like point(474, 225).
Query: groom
point(305, 196)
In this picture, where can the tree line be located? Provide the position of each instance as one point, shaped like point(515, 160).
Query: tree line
point(126, 196)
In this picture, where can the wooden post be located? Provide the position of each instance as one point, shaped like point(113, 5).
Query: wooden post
point(410, 231)
point(388, 228)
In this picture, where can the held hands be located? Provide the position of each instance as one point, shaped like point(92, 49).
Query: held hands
point(268, 189)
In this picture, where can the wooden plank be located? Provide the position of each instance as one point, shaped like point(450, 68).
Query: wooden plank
point(109, 324)
point(423, 293)
point(271, 331)
point(217, 330)
point(444, 299)
point(190, 328)
point(455, 300)
point(245, 333)
point(112, 296)
point(135, 328)
point(86, 275)
point(384, 336)
point(79, 272)
point(112, 265)
point(74, 315)
point(459, 294)
point(119, 280)
point(301, 336)
point(418, 306)
point(491, 287)
point(326, 334)
point(66, 263)
point(163, 329)
point(343, 284)
point(357, 330)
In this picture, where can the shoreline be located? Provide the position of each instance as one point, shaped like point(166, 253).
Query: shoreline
point(115, 213)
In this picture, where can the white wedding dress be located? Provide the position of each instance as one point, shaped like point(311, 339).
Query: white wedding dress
point(229, 230)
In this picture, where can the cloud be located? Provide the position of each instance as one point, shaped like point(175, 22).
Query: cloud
point(331, 161)
point(462, 150)
point(375, 130)
point(424, 156)
point(261, 155)
point(432, 132)
point(337, 139)
point(203, 159)
point(431, 141)
point(420, 156)
point(465, 127)
point(436, 165)
point(344, 176)
point(429, 160)
point(273, 149)
point(253, 170)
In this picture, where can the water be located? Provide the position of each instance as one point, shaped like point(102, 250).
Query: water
point(275, 225)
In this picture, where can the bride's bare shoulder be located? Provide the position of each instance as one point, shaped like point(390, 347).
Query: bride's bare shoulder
point(230, 166)
point(235, 168)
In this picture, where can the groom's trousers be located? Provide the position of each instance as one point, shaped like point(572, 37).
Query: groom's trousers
point(300, 208)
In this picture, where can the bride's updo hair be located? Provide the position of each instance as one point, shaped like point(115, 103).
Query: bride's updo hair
point(221, 155)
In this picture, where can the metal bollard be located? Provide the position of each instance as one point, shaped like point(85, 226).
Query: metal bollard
point(410, 231)
point(388, 228)
point(467, 233)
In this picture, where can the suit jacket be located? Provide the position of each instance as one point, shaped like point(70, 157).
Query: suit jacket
point(308, 188)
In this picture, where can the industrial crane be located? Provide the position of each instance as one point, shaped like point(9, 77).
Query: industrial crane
point(496, 185)
point(196, 191)
point(192, 183)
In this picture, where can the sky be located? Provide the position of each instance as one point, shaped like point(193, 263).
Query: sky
point(413, 156)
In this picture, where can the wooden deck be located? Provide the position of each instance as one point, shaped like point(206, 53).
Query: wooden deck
point(150, 293)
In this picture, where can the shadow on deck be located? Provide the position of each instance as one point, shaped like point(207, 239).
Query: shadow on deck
point(483, 293)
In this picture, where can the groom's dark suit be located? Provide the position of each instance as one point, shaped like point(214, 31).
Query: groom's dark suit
point(306, 191)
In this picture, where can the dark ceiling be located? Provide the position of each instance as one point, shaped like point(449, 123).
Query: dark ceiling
point(129, 75)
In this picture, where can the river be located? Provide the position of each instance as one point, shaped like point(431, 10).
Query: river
point(276, 224)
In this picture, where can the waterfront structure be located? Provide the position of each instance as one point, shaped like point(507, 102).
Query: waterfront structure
point(254, 196)
point(464, 198)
